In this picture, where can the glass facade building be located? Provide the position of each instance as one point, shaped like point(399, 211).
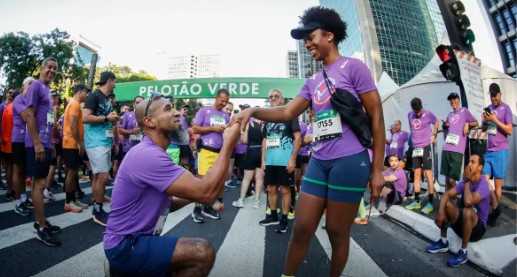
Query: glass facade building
point(503, 16)
point(398, 37)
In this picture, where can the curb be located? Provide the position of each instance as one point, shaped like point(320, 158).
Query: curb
point(492, 254)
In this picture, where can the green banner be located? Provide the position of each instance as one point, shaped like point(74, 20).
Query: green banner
point(207, 87)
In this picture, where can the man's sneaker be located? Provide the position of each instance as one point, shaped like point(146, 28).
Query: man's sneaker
point(361, 221)
point(10, 196)
point(80, 195)
point(2, 185)
point(47, 194)
point(100, 217)
point(414, 206)
point(438, 247)
point(458, 259)
point(106, 199)
point(257, 204)
point(269, 220)
point(53, 228)
point(80, 204)
point(239, 203)
point(282, 226)
point(22, 210)
point(218, 206)
point(47, 237)
point(290, 215)
point(427, 209)
point(208, 211)
point(72, 207)
point(268, 210)
point(196, 215)
point(230, 184)
point(28, 204)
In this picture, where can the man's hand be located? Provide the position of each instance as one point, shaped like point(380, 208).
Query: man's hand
point(113, 117)
point(80, 147)
point(117, 148)
point(466, 129)
point(433, 138)
point(135, 131)
point(40, 152)
point(290, 165)
point(263, 166)
point(490, 117)
point(242, 118)
point(218, 129)
point(231, 134)
point(440, 218)
point(53, 152)
point(445, 125)
point(376, 183)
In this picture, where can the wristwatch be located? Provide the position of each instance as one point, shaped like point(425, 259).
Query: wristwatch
point(105, 119)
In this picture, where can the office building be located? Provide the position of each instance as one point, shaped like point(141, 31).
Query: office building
point(193, 66)
point(292, 64)
point(307, 66)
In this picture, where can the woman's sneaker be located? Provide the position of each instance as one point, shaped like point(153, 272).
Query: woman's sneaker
point(239, 203)
point(257, 204)
point(414, 206)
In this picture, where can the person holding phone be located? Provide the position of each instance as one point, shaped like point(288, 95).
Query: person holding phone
point(456, 130)
point(498, 123)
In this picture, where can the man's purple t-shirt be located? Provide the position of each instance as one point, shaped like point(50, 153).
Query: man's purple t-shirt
point(482, 188)
point(421, 128)
point(129, 123)
point(19, 126)
point(401, 182)
point(38, 97)
point(304, 150)
point(497, 140)
point(455, 141)
point(208, 116)
point(345, 73)
point(139, 197)
point(397, 142)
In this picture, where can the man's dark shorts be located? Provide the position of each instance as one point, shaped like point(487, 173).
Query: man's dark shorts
point(301, 160)
point(36, 169)
point(477, 232)
point(7, 157)
point(425, 161)
point(59, 152)
point(185, 151)
point(140, 255)
point(71, 158)
point(452, 163)
point(277, 175)
point(19, 156)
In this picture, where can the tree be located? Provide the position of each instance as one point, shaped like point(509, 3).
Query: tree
point(125, 74)
point(21, 56)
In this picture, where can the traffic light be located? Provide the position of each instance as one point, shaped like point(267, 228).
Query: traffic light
point(449, 68)
point(457, 24)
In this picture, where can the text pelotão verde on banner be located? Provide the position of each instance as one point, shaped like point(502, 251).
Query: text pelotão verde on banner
point(207, 87)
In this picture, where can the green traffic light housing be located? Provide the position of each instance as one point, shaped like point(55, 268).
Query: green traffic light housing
point(468, 37)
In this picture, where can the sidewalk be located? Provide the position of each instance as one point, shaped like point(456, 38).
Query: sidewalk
point(496, 252)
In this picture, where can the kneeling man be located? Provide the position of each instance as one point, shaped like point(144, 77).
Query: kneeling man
point(468, 223)
point(149, 186)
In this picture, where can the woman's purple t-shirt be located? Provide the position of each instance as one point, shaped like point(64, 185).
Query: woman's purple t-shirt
point(19, 126)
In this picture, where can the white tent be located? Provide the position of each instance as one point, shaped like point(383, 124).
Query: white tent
point(386, 85)
point(430, 86)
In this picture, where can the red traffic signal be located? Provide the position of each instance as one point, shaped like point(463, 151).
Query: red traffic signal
point(450, 69)
point(444, 52)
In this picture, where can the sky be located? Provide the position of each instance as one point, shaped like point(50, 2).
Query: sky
point(252, 37)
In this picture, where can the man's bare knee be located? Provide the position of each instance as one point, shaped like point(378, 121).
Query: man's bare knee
point(468, 213)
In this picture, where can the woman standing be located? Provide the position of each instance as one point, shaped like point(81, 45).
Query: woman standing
point(339, 171)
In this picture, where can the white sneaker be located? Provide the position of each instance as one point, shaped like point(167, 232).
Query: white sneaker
point(72, 207)
point(218, 206)
point(257, 204)
point(80, 204)
point(47, 194)
point(239, 203)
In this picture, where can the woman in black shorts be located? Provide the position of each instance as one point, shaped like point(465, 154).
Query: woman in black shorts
point(252, 163)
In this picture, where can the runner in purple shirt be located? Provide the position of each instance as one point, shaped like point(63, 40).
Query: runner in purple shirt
point(396, 144)
point(468, 223)
point(302, 160)
point(339, 168)
point(148, 188)
point(420, 121)
point(498, 124)
point(456, 131)
point(38, 144)
point(129, 128)
point(396, 181)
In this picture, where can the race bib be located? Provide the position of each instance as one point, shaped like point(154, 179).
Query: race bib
point(418, 152)
point(109, 133)
point(137, 137)
point(161, 222)
point(492, 129)
point(327, 125)
point(273, 141)
point(394, 145)
point(216, 120)
point(50, 117)
point(452, 139)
